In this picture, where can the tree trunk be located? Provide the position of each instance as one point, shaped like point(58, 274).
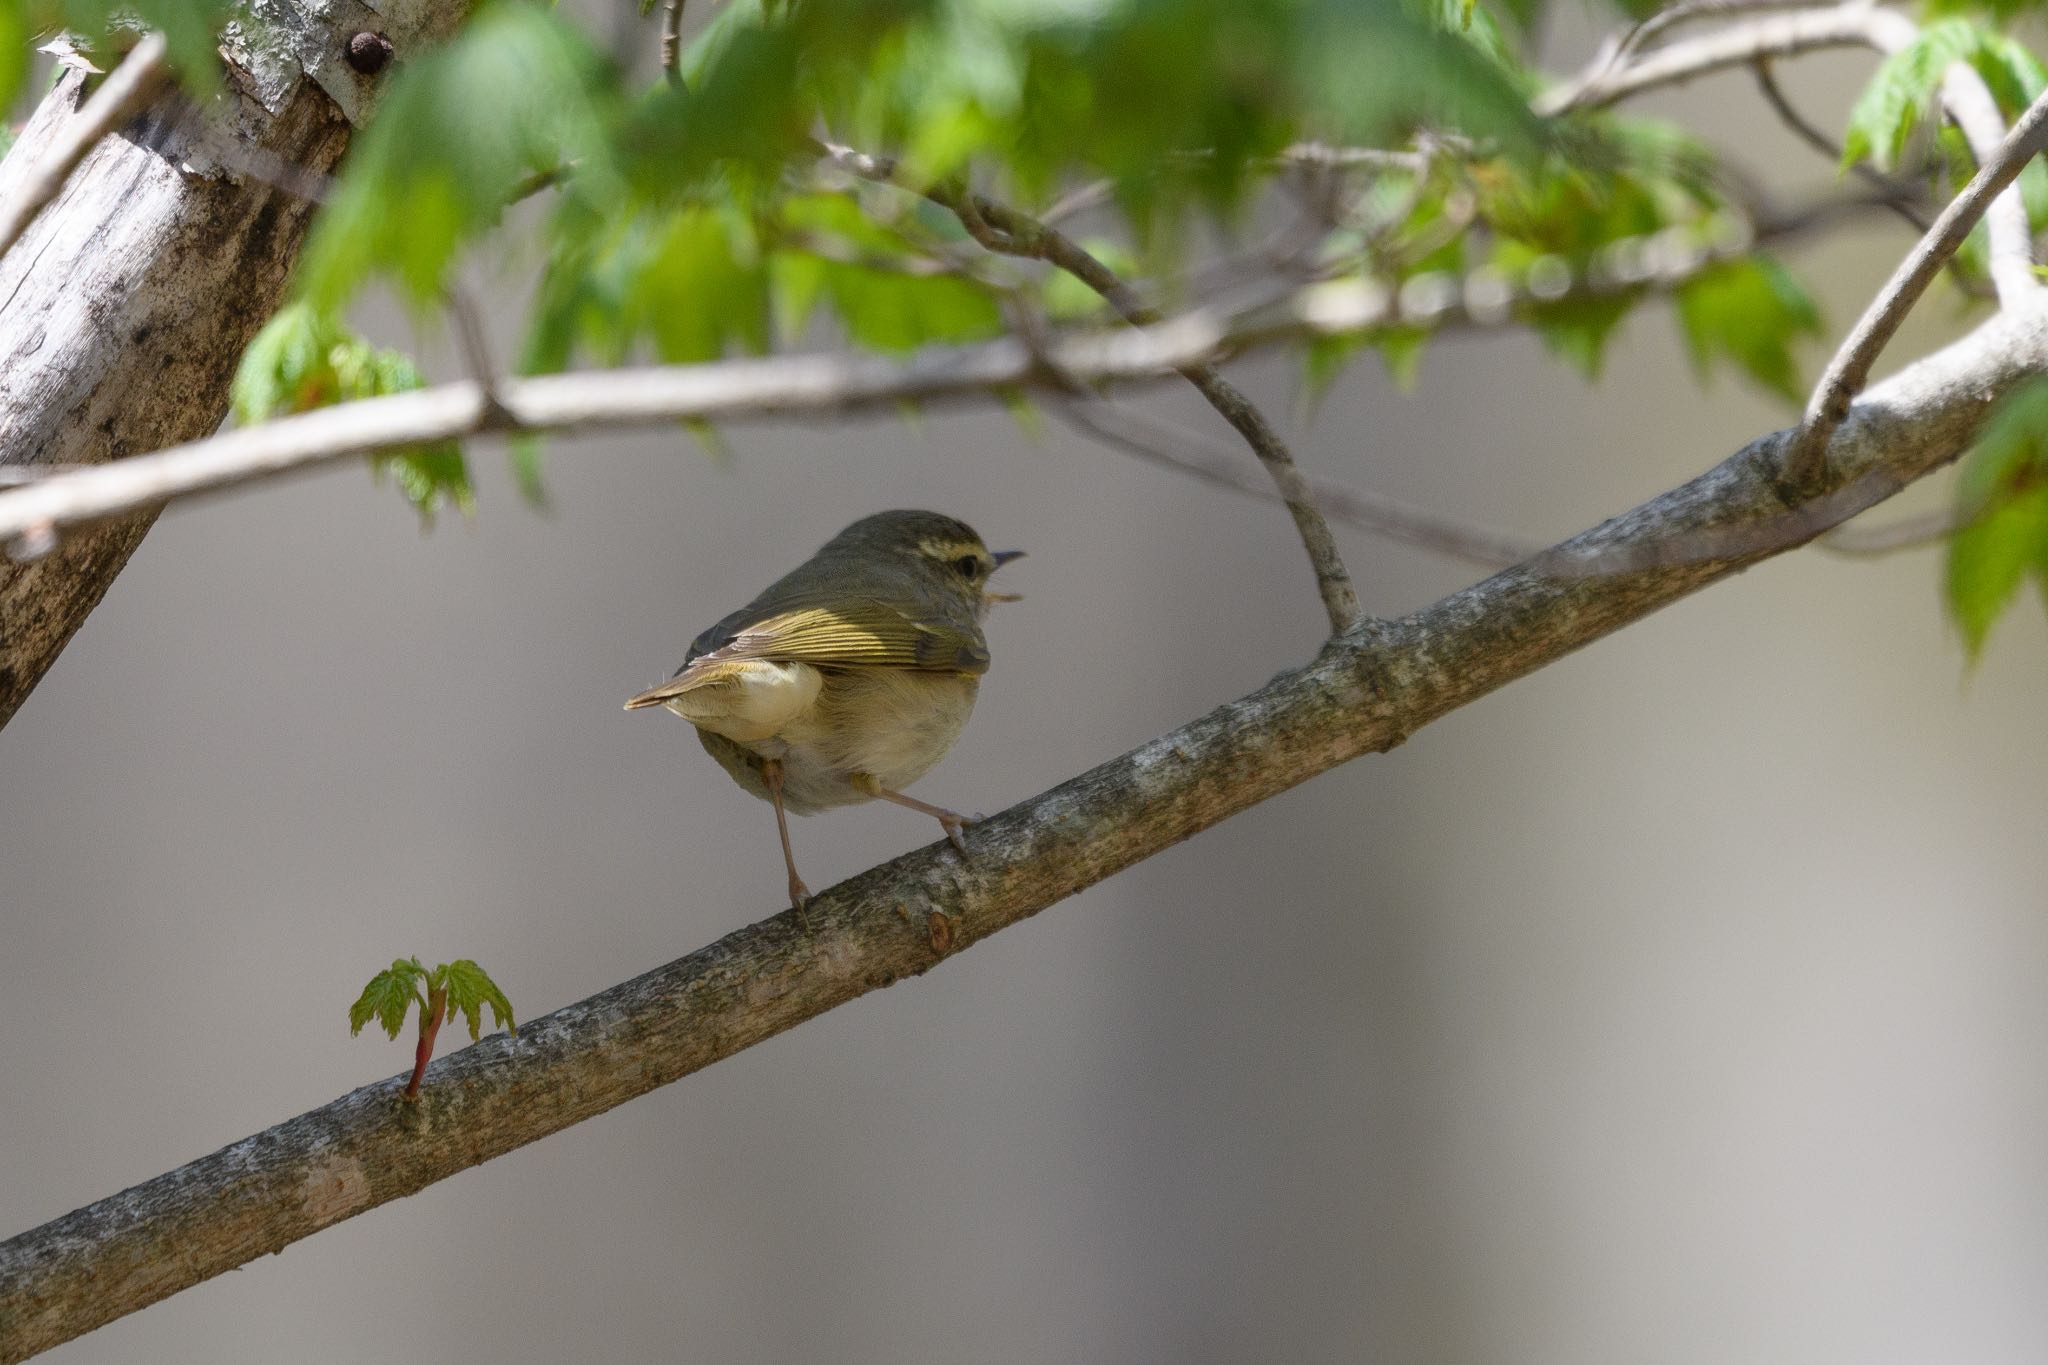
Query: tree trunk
point(125, 306)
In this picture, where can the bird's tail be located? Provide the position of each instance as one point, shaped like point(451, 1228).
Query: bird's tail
point(659, 696)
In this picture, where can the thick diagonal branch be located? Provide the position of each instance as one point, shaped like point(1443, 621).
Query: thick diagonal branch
point(1366, 692)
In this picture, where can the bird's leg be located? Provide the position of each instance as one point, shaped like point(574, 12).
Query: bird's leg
point(799, 894)
point(952, 821)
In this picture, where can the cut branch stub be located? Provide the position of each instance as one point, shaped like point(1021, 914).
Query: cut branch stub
point(369, 53)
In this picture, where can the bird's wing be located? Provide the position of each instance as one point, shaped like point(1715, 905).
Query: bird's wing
point(855, 633)
point(849, 633)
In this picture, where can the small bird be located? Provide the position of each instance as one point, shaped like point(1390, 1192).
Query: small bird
point(851, 675)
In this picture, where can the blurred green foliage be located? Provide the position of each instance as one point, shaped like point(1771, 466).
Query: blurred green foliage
point(2002, 504)
point(103, 30)
point(305, 359)
point(692, 218)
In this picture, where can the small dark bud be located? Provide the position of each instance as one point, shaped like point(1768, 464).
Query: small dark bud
point(369, 53)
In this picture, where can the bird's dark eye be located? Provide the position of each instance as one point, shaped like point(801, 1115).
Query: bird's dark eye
point(967, 566)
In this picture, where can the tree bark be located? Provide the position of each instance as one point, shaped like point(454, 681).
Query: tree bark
point(1365, 692)
point(125, 306)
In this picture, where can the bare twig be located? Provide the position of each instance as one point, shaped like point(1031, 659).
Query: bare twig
point(1078, 200)
point(476, 355)
point(1908, 533)
point(672, 40)
point(2010, 237)
point(12, 475)
point(1603, 83)
point(122, 96)
point(918, 267)
point(1008, 232)
point(1847, 373)
point(469, 336)
point(788, 386)
point(799, 385)
point(1965, 97)
point(1898, 196)
point(1322, 154)
point(1188, 453)
point(1633, 39)
point(538, 182)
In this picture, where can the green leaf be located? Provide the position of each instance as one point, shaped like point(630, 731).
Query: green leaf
point(1030, 421)
point(389, 995)
point(678, 225)
point(459, 129)
point(1057, 90)
point(470, 988)
point(2002, 497)
point(1989, 558)
point(305, 359)
point(2014, 74)
point(688, 282)
point(527, 449)
point(104, 30)
point(1323, 361)
point(1401, 351)
point(1750, 312)
point(1901, 93)
point(16, 41)
point(1579, 329)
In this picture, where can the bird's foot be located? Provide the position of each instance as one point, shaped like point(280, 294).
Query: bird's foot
point(800, 901)
point(953, 823)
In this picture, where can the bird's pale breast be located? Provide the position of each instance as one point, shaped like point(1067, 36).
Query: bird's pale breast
point(890, 724)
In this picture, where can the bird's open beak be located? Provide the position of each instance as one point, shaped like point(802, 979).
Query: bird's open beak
point(1002, 557)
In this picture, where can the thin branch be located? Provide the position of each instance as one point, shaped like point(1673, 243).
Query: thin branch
point(2009, 234)
point(915, 266)
point(12, 475)
point(1898, 196)
point(469, 336)
point(1847, 373)
point(476, 356)
point(1079, 200)
point(1192, 455)
point(672, 40)
point(1365, 692)
point(122, 96)
point(1689, 11)
point(539, 181)
point(1320, 154)
point(1965, 97)
point(1602, 83)
point(1008, 232)
point(1908, 533)
point(809, 385)
point(784, 386)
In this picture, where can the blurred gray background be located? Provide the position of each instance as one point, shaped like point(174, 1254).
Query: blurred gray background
point(1683, 1003)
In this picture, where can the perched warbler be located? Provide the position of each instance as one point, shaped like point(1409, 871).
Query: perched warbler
point(851, 675)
